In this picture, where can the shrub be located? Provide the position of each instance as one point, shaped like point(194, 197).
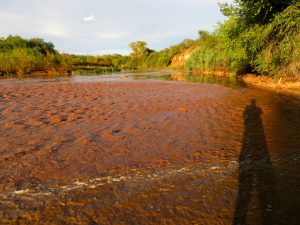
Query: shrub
point(209, 56)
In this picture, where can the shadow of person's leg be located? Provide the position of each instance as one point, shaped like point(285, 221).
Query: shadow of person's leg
point(246, 179)
point(267, 192)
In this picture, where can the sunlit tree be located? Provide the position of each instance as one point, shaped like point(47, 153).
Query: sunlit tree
point(139, 49)
point(255, 11)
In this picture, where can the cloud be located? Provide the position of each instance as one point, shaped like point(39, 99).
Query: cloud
point(102, 26)
point(89, 18)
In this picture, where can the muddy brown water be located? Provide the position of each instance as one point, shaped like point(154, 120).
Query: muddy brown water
point(147, 148)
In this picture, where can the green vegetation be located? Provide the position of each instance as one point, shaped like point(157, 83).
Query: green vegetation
point(164, 58)
point(20, 56)
point(261, 37)
point(255, 11)
point(81, 64)
point(209, 56)
point(94, 70)
point(144, 58)
point(23, 56)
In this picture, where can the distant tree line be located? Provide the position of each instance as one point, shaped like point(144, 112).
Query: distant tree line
point(23, 56)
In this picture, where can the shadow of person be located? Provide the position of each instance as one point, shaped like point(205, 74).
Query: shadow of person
point(255, 171)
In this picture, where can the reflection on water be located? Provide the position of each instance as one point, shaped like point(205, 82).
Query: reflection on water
point(207, 79)
point(255, 165)
point(231, 82)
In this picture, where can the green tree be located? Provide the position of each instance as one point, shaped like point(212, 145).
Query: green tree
point(267, 48)
point(255, 11)
point(41, 45)
point(139, 49)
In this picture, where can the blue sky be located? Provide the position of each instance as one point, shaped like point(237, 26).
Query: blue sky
point(108, 26)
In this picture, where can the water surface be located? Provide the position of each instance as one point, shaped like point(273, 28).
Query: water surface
point(147, 148)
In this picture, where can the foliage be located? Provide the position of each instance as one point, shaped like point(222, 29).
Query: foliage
point(163, 58)
point(139, 49)
point(20, 56)
point(255, 11)
point(264, 48)
point(94, 70)
point(209, 56)
point(261, 37)
point(280, 54)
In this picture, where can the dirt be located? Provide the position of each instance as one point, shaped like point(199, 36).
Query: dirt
point(179, 59)
point(279, 85)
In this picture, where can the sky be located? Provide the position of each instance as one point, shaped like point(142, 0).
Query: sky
point(98, 27)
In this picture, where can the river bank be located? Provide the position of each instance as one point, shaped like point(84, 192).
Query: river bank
point(282, 86)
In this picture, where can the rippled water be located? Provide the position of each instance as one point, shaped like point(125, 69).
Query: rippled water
point(239, 164)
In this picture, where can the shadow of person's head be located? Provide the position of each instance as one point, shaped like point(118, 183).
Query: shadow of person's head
point(252, 114)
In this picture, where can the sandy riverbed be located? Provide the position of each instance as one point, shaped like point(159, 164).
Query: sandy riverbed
point(134, 152)
point(58, 133)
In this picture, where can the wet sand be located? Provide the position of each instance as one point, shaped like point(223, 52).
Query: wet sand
point(123, 152)
point(269, 83)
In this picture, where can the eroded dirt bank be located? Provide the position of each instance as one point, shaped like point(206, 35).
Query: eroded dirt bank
point(282, 86)
point(136, 152)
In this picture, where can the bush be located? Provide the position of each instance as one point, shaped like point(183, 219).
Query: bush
point(280, 55)
point(18, 61)
point(20, 56)
point(271, 48)
point(209, 56)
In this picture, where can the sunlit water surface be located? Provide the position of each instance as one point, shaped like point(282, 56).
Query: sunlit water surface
point(253, 180)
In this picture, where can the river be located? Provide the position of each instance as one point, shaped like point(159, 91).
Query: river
point(147, 148)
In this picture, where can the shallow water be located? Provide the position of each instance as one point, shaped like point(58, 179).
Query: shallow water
point(135, 76)
point(142, 148)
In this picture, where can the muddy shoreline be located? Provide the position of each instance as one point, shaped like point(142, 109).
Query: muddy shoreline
point(281, 86)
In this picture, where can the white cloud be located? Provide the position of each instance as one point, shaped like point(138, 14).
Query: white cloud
point(89, 18)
